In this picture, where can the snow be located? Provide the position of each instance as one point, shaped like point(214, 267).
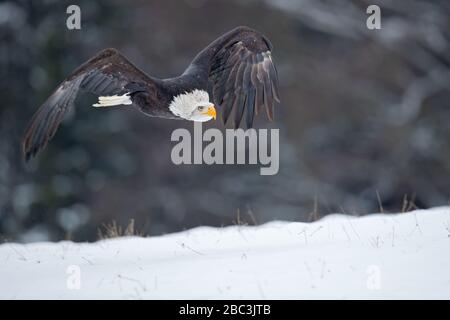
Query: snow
point(401, 256)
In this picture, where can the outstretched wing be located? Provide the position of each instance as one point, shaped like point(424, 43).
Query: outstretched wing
point(244, 77)
point(107, 73)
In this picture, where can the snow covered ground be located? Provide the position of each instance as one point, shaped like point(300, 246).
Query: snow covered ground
point(339, 257)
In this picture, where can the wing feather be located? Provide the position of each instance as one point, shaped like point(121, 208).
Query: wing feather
point(239, 106)
point(250, 107)
point(244, 77)
point(107, 73)
point(268, 101)
point(228, 103)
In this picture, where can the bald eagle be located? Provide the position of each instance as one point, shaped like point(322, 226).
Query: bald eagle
point(236, 70)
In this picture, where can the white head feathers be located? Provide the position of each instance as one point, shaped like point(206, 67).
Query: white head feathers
point(183, 105)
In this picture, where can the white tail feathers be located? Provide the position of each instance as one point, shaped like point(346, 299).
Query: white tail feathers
point(113, 100)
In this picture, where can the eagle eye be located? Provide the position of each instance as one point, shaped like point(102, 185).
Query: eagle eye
point(200, 108)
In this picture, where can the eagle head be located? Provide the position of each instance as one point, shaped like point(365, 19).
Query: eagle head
point(193, 105)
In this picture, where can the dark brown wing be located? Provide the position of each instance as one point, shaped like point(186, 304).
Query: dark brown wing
point(107, 73)
point(244, 77)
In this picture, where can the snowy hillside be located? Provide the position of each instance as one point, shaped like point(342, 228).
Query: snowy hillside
point(339, 257)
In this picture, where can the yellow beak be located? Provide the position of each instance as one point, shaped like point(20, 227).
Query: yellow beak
point(211, 112)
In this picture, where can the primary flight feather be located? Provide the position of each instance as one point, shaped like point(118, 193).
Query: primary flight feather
point(236, 71)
